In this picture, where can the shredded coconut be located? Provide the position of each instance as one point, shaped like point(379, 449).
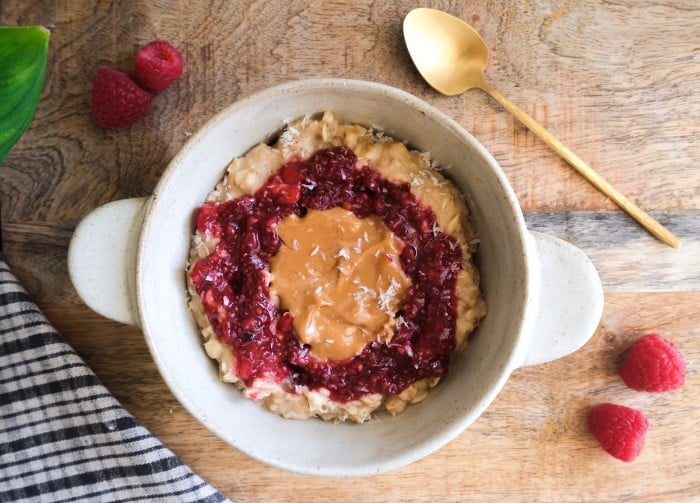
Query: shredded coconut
point(384, 299)
point(289, 135)
point(378, 135)
point(358, 246)
point(368, 291)
point(436, 181)
point(416, 182)
point(386, 296)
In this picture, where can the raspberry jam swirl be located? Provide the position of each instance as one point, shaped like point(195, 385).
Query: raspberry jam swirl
point(232, 282)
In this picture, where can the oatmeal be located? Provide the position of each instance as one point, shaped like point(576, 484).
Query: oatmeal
point(331, 273)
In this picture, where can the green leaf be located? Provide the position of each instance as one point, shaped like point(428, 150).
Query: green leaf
point(22, 70)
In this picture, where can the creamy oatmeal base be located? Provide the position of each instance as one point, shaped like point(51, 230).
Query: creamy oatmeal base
point(396, 163)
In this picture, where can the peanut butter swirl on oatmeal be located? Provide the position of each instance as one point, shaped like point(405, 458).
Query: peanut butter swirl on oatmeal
point(331, 273)
point(340, 276)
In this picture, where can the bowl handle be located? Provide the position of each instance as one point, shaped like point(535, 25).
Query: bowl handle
point(570, 300)
point(102, 258)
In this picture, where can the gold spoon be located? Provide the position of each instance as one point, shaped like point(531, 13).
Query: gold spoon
point(451, 57)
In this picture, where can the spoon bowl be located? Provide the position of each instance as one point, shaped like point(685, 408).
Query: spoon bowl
point(451, 56)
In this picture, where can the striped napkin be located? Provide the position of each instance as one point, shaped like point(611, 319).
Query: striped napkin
point(63, 436)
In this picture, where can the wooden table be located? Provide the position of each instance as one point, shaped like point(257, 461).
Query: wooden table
point(617, 81)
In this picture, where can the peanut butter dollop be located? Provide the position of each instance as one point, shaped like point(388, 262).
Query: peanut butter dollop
point(340, 276)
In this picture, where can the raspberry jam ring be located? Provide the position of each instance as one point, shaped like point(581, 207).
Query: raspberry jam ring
point(232, 283)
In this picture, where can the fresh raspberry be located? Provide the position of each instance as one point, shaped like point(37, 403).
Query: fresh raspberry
point(157, 65)
point(116, 99)
point(619, 429)
point(653, 364)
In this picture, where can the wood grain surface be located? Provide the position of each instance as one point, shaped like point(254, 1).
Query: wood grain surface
point(615, 80)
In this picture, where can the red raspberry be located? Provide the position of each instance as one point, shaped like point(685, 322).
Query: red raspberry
point(157, 65)
point(653, 364)
point(116, 99)
point(619, 429)
point(207, 220)
point(285, 193)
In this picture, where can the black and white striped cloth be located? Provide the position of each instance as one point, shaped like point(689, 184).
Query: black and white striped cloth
point(63, 436)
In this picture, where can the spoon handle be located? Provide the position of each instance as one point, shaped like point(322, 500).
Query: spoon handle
point(585, 170)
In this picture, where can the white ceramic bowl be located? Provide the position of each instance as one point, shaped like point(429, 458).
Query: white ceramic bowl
point(529, 280)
